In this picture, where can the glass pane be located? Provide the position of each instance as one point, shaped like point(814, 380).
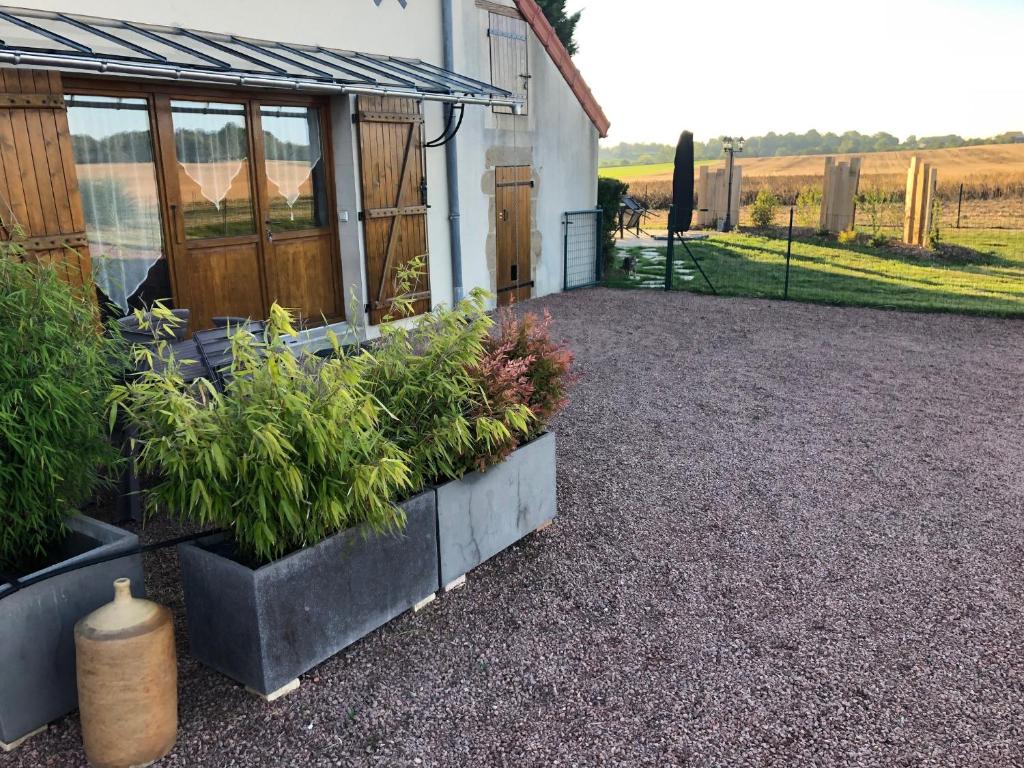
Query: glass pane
point(296, 188)
point(169, 52)
point(213, 169)
point(16, 36)
point(96, 43)
point(113, 150)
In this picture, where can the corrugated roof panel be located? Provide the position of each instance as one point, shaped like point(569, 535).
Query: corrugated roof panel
point(69, 42)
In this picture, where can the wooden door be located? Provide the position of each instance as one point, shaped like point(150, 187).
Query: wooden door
point(394, 214)
point(39, 195)
point(217, 240)
point(512, 233)
point(250, 208)
point(301, 266)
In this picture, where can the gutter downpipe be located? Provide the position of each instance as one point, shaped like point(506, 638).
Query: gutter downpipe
point(451, 157)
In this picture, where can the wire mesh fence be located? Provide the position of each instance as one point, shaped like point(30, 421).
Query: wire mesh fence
point(970, 269)
point(969, 202)
point(582, 247)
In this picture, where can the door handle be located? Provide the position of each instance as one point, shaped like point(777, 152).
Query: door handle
point(504, 214)
point(270, 232)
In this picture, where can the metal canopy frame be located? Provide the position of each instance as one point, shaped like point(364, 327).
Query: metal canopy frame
point(207, 56)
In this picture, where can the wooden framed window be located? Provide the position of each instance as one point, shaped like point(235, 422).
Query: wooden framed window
point(219, 199)
point(510, 66)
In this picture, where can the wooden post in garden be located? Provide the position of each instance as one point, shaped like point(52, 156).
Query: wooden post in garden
point(713, 194)
point(922, 180)
point(839, 195)
point(703, 199)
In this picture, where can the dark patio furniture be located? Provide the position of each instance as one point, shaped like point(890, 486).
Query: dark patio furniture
point(214, 347)
point(631, 216)
point(159, 328)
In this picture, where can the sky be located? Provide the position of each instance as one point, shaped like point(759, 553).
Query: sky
point(747, 67)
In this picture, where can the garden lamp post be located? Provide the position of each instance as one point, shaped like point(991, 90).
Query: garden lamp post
point(730, 146)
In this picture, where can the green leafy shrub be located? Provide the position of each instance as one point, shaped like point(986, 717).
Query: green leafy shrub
point(934, 234)
point(874, 202)
point(808, 207)
point(609, 198)
point(56, 370)
point(846, 237)
point(291, 452)
point(762, 212)
point(437, 411)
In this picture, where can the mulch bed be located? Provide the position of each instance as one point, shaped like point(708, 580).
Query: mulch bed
point(788, 535)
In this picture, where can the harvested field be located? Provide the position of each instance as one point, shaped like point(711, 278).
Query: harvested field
point(987, 173)
point(990, 159)
point(789, 535)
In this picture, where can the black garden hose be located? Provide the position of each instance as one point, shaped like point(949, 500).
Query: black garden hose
point(19, 584)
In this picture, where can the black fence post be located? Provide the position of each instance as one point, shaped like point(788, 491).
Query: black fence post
point(599, 235)
point(669, 251)
point(959, 200)
point(565, 252)
point(789, 251)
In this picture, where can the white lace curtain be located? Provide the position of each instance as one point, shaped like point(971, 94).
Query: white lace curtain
point(113, 150)
point(291, 140)
point(211, 145)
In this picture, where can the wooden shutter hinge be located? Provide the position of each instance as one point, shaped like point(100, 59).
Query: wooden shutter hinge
point(54, 242)
point(31, 101)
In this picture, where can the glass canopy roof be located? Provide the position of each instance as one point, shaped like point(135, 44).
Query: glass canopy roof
point(79, 43)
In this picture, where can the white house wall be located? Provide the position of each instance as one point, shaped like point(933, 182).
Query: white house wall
point(556, 138)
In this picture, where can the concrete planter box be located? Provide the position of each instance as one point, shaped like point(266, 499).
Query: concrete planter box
point(37, 622)
point(267, 626)
point(485, 512)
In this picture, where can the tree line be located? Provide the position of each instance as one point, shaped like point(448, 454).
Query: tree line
point(785, 144)
point(229, 142)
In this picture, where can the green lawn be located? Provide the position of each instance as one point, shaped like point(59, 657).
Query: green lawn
point(984, 274)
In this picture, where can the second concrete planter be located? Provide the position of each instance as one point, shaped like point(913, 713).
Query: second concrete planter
point(37, 622)
point(266, 626)
point(483, 513)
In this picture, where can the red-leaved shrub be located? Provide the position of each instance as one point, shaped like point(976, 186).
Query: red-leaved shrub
point(504, 383)
point(521, 366)
point(547, 364)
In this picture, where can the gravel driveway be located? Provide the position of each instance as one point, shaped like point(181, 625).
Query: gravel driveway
point(788, 535)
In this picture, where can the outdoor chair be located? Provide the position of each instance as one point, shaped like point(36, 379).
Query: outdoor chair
point(631, 216)
point(158, 330)
point(214, 347)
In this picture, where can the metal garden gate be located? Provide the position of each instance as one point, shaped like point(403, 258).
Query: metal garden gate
point(583, 245)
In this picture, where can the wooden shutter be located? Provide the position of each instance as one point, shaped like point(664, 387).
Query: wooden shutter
point(512, 233)
point(38, 182)
point(394, 211)
point(510, 68)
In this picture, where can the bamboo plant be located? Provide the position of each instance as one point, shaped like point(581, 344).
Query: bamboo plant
point(56, 370)
point(289, 453)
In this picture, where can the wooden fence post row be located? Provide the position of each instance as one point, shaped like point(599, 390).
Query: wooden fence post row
point(712, 194)
point(839, 195)
point(922, 179)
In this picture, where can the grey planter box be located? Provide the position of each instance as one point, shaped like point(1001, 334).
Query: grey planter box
point(485, 512)
point(267, 626)
point(37, 623)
